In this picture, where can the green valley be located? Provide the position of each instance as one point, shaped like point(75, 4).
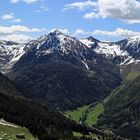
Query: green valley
point(87, 114)
point(92, 116)
point(76, 114)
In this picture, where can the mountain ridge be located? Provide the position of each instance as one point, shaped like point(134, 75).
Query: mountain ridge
point(65, 74)
point(123, 52)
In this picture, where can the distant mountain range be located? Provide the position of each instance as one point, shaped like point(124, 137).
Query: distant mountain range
point(64, 72)
point(122, 52)
point(60, 71)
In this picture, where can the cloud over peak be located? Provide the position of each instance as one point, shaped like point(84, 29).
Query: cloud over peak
point(119, 32)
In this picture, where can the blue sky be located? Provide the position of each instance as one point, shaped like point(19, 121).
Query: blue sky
point(22, 20)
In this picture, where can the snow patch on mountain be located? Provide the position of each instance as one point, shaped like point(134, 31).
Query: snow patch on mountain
point(87, 42)
point(86, 65)
point(108, 49)
point(126, 49)
point(10, 53)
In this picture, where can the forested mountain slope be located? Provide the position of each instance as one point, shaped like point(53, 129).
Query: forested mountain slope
point(122, 111)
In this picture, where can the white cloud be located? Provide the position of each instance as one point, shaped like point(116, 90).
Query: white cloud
point(124, 10)
point(11, 17)
point(26, 1)
point(37, 30)
point(80, 32)
point(8, 16)
point(17, 33)
point(80, 5)
point(65, 31)
point(91, 15)
point(119, 32)
point(17, 28)
point(42, 9)
point(17, 20)
point(21, 38)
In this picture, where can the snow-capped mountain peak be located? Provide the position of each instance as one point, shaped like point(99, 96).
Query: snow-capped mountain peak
point(59, 45)
point(56, 32)
point(55, 41)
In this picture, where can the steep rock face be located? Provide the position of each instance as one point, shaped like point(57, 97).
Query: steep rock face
point(132, 46)
point(64, 72)
point(10, 53)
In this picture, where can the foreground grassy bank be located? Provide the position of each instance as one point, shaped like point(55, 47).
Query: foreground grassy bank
point(10, 131)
